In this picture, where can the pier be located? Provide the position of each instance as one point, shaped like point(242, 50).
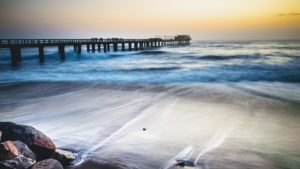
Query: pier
point(92, 45)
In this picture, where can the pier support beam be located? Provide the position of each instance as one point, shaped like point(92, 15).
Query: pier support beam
point(129, 46)
point(99, 47)
point(93, 48)
point(105, 47)
point(41, 54)
point(61, 49)
point(123, 46)
point(88, 47)
point(108, 47)
point(115, 47)
point(78, 48)
point(15, 55)
point(135, 46)
point(19, 57)
point(141, 45)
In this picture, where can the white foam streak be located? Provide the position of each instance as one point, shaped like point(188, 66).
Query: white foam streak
point(216, 141)
point(186, 153)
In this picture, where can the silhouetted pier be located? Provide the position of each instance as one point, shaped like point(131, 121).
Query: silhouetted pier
point(92, 45)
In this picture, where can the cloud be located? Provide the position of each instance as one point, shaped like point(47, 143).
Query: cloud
point(288, 14)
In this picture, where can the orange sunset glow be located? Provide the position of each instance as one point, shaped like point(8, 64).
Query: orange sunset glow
point(204, 19)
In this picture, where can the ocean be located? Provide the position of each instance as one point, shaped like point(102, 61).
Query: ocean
point(202, 61)
point(209, 105)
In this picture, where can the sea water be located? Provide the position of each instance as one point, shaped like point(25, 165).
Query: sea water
point(202, 61)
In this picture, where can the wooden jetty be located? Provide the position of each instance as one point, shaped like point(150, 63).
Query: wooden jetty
point(92, 45)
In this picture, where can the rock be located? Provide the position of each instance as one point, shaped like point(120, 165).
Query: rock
point(64, 156)
point(0, 135)
point(11, 149)
point(8, 150)
point(24, 150)
point(19, 162)
point(39, 143)
point(47, 164)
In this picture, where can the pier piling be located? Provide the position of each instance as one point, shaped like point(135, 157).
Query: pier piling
point(61, 49)
point(41, 54)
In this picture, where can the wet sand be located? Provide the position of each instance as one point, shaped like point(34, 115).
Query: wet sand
point(213, 125)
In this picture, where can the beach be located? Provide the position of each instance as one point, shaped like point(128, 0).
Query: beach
point(213, 125)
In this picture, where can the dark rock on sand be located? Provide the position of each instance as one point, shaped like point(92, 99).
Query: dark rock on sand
point(19, 162)
point(39, 143)
point(8, 150)
point(47, 164)
point(63, 156)
point(11, 149)
point(24, 150)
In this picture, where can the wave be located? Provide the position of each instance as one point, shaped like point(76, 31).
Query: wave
point(152, 52)
point(150, 69)
point(224, 57)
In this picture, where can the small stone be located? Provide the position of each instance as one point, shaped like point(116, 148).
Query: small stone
point(38, 142)
point(19, 162)
point(47, 164)
point(144, 129)
point(64, 156)
point(11, 149)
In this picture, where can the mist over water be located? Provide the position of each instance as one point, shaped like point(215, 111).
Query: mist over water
point(209, 105)
point(200, 62)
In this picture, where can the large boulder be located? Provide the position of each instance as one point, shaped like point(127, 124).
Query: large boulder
point(47, 164)
point(64, 156)
point(39, 143)
point(18, 162)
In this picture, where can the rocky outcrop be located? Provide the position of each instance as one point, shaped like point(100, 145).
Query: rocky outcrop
point(18, 162)
point(47, 164)
point(39, 143)
point(21, 146)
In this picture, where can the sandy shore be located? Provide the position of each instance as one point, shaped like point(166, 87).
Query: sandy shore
point(214, 125)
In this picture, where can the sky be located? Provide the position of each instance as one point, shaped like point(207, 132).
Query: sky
point(202, 19)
